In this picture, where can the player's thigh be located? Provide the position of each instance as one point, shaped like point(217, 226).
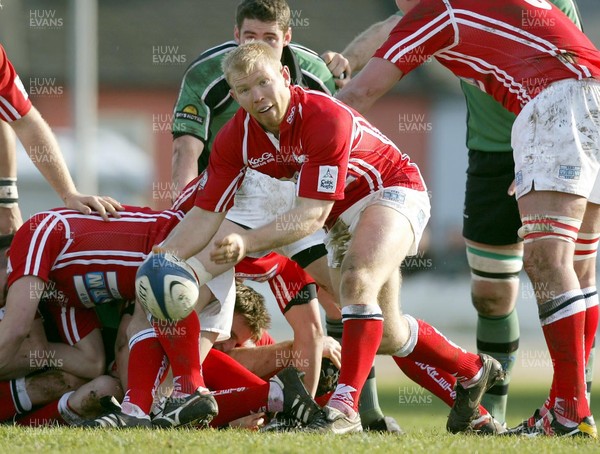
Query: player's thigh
point(380, 241)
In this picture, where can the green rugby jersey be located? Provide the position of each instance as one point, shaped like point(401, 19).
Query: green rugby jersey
point(489, 125)
point(204, 104)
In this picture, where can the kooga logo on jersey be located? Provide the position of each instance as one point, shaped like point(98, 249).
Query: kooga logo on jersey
point(262, 160)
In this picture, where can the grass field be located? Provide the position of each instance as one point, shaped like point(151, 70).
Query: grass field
point(422, 416)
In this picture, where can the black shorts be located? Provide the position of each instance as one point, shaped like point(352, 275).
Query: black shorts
point(490, 215)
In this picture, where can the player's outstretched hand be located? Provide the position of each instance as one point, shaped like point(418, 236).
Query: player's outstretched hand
point(339, 67)
point(103, 205)
point(230, 249)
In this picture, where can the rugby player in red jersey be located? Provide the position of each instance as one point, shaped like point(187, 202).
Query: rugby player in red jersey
point(369, 195)
point(532, 59)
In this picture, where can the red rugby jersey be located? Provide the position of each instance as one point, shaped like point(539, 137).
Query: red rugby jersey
point(286, 278)
point(330, 149)
point(84, 260)
point(14, 100)
point(511, 49)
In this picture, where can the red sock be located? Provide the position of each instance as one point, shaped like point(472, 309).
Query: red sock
point(148, 366)
point(563, 321)
point(235, 403)
point(438, 382)
point(360, 340)
point(221, 371)
point(322, 400)
point(180, 342)
point(435, 349)
point(591, 319)
point(48, 415)
point(8, 408)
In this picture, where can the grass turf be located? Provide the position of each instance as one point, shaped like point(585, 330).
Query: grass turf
point(422, 416)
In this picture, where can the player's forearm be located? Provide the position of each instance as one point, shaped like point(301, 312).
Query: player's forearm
point(306, 355)
point(378, 77)
point(43, 149)
point(262, 361)
point(8, 153)
point(293, 225)
point(193, 233)
point(362, 48)
point(186, 151)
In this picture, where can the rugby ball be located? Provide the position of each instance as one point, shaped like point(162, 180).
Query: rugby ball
point(166, 286)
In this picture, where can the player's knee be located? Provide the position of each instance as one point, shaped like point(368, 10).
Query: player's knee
point(356, 283)
point(105, 385)
point(488, 306)
point(544, 237)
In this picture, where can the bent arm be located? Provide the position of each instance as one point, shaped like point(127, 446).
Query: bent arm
point(376, 79)
point(10, 215)
point(43, 149)
point(361, 49)
point(21, 305)
point(307, 350)
point(262, 361)
point(193, 233)
point(186, 151)
point(305, 218)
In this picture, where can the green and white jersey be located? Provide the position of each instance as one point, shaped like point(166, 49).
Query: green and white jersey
point(489, 125)
point(204, 104)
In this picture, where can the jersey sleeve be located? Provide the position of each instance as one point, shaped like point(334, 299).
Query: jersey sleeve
point(289, 285)
point(225, 172)
point(418, 36)
point(14, 100)
point(191, 113)
point(36, 246)
point(327, 139)
point(315, 74)
point(265, 339)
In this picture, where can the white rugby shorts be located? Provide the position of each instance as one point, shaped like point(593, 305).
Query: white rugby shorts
point(556, 140)
point(260, 199)
point(217, 316)
point(412, 204)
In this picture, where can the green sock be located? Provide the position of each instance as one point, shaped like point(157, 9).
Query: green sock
point(589, 373)
point(368, 405)
point(499, 338)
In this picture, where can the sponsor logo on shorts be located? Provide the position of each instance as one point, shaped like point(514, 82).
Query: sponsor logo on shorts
point(190, 112)
point(327, 179)
point(393, 195)
point(569, 172)
point(262, 160)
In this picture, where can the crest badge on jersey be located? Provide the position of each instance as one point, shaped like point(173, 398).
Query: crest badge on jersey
point(327, 179)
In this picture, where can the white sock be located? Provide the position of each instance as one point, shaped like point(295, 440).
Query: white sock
point(275, 399)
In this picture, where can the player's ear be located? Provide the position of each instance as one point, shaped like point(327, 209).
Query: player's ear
point(287, 36)
point(232, 93)
point(285, 72)
point(236, 34)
